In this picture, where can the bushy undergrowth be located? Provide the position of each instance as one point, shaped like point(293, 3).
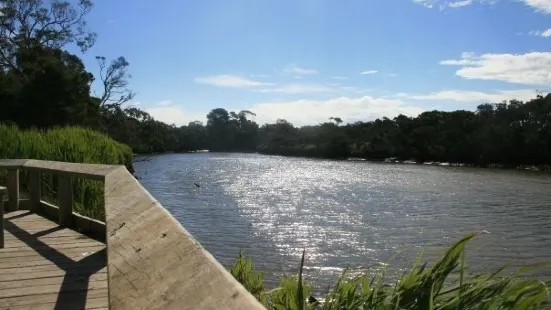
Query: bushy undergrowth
point(443, 286)
point(68, 144)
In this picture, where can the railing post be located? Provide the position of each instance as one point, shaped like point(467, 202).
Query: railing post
point(65, 196)
point(2, 190)
point(13, 189)
point(35, 191)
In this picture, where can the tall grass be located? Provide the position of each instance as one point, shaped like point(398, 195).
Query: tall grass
point(444, 286)
point(68, 144)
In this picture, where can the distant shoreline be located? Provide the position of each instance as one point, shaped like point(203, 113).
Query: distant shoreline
point(538, 168)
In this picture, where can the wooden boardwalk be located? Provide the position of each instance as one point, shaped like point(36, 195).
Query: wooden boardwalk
point(143, 259)
point(45, 266)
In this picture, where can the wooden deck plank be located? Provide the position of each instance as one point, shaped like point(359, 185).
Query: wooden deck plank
point(94, 298)
point(44, 266)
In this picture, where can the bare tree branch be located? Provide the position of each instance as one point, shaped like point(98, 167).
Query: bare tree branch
point(114, 78)
point(26, 22)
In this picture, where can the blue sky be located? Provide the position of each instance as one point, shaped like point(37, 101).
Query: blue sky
point(307, 60)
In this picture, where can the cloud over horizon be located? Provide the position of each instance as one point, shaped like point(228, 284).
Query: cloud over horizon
point(227, 80)
point(541, 6)
point(473, 96)
point(367, 72)
point(529, 69)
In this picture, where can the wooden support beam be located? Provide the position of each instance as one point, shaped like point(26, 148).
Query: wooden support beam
point(35, 190)
point(2, 191)
point(13, 189)
point(65, 196)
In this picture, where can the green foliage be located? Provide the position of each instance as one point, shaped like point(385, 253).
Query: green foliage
point(69, 144)
point(510, 134)
point(48, 88)
point(230, 131)
point(422, 288)
point(243, 271)
point(27, 23)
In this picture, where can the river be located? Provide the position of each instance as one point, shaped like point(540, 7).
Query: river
point(359, 215)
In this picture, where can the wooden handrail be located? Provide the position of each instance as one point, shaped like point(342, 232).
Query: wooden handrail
point(152, 261)
point(2, 191)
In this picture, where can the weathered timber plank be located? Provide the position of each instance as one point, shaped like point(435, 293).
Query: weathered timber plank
point(27, 275)
point(148, 248)
point(55, 241)
point(16, 263)
point(65, 251)
point(2, 240)
point(13, 189)
point(35, 191)
point(23, 215)
point(91, 304)
point(46, 266)
point(12, 163)
point(52, 234)
point(49, 288)
point(65, 212)
point(88, 171)
point(82, 224)
point(94, 298)
point(53, 280)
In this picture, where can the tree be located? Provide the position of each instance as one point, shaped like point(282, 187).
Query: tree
point(218, 122)
point(114, 80)
point(50, 88)
point(26, 23)
point(337, 120)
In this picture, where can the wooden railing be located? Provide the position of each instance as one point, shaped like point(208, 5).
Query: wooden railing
point(152, 261)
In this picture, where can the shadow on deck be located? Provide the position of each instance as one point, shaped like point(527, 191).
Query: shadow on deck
point(45, 266)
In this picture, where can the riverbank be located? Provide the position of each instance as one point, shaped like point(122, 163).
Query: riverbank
point(394, 160)
point(445, 284)
point(545, 168)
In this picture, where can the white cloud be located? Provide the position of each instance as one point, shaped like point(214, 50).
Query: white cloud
point(459, 4)
point(339, 78)
point(539, 33)
point(298, 89)
point(427, 3)
point(474, 96)
point(443, 4)
point(543, 6)
point(300, 112)
point(310, 112)
point(226, 80)
point(529, 69)
point(369, 72)
point(173, 114)
point(295, 69)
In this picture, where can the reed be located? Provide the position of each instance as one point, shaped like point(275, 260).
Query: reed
point(68, 144)
point(444, 286)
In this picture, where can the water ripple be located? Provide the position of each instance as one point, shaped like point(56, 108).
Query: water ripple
point(350, 214)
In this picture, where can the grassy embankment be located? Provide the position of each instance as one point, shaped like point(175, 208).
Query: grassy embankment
point(443, 286)
point(69, 144)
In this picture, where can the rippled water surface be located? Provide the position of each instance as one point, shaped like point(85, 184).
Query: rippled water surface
point(350, 214)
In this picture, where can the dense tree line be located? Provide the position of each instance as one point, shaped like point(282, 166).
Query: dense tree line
point(44, 86)
point(512, 133)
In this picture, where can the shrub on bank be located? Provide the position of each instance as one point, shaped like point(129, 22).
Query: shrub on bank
point(442, 286)
point(68, 144)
